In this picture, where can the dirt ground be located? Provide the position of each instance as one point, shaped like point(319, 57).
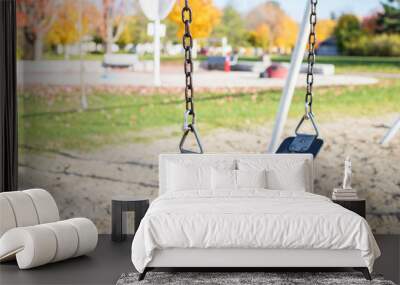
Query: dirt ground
point(83, 183)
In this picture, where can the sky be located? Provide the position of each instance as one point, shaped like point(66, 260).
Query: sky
point(295, 8)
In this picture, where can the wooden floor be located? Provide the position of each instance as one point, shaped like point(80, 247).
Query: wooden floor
point(110, 260)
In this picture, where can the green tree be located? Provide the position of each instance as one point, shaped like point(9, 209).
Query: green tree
point(348, 30)
point(139, 29)
point(233, 27)
point(389, 20)
point(171, 32)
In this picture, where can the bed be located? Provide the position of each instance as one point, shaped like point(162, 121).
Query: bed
point(247, 210)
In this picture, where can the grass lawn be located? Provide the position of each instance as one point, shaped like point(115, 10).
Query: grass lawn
point(54, 122)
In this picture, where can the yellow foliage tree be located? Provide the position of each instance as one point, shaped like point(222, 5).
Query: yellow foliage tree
point(205, 17)
point(285, 38)
point(325, 29)
point(65, 30)
point(262, 36)
point(127, 35)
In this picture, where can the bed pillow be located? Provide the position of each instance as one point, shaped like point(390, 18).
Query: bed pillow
point(223, 179)
point(292, 179)
point(188, 177)
point(285, 174)
point(251, 178)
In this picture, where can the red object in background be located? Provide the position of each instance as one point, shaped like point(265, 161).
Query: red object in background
point(276, 71)
point(227, 63)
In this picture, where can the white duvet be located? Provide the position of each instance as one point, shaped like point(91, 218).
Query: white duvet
point(250, 219)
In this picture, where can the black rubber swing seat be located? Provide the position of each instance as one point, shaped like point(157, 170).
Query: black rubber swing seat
point(314, 147)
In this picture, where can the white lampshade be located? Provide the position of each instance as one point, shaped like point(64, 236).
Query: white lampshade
point(156, 9)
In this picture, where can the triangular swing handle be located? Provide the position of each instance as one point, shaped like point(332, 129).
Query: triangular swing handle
point(310, 117)
point(190, 129)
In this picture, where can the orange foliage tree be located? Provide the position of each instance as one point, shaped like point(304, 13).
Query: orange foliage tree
point(285, 38)
point(261, 37)
point(34, 18)
point(205, 17)
point(282, 28)
point(325, 29)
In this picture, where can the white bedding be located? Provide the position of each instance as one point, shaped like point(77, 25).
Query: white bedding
point(250, 219)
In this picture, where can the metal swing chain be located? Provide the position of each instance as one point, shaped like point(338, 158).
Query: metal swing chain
point(312, 38)
point(187, 43)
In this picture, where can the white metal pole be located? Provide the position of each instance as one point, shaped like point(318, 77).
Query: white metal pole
point(157, 80)
point(391, 133)
point(290, 84)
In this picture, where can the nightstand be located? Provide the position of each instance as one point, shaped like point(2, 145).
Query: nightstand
point(121, 206)
point(357, 206)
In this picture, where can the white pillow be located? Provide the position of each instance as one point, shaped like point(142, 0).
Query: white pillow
point(223, 179)
point(292, 179)
point(251, 178)
point(284, 174)
point(188, 177)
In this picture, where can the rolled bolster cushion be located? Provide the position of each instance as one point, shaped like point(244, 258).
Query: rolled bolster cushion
point(37, 245)
point(33, 246)
point(87, 235)
point(46, 207)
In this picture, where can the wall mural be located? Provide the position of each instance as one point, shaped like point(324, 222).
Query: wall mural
point(92, 123)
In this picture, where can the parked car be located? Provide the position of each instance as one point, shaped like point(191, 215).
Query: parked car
point(275, 70)
point(218, 63)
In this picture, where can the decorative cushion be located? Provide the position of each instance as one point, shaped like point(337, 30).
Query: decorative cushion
point(223, 179)
point(291, 180)
point(285, 174)
point(188, 177)
point(251, 179)
point(190, 172)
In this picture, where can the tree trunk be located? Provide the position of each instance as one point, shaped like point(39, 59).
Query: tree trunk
point(66, 52)
point(38, 46)
point(27, 44)
point(27, 53)
point(109, 35)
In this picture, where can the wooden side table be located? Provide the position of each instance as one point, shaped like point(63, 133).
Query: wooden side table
point(120, 205)
point(357, 206)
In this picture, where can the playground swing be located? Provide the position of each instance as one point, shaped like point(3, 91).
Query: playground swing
point(187, 42)
point(301, 143)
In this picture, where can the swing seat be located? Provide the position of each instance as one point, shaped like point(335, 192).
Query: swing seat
point(312, 148)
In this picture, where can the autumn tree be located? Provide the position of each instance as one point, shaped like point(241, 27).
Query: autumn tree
point(232, 26)
point(282, 28)
point(113, 22)
point(369, 23)
point(65, 30)
point(205, 17)
point(287, 30)
point(35, 18)
point(325, 29)
point(260, 37)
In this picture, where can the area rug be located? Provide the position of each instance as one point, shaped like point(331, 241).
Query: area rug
point(244, 278)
